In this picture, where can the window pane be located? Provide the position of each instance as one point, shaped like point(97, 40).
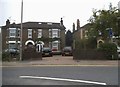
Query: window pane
point(39, 33)
point(55, 33)
point(55, 45)
point(50, 33)
point(29, 33)
point(12, 32)
point(12, 46)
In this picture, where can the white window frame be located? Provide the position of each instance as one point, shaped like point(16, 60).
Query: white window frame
point(50, 33)
point(39, 33)
point(29, 33)
point(55, 44)
point(12, 32)
point(55, 33)
point(49, 23)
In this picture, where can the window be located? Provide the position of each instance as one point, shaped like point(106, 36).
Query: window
point(54, 33)
point(55, 45)
point(18, 33)
point(39, 33)
point(12, 45)
point(50, 33)
point(12, 32)
point(29, 33)
point(49, 23)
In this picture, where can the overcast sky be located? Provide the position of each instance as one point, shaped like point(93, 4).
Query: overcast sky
point(51, 10)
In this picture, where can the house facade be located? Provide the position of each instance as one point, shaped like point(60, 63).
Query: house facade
point(81, 32)
point(47, 34)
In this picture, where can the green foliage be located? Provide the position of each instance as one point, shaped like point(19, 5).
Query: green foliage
point(103, 19)
point(90, 43)
point(110, 50)
point(5, 56)
point(68, 38)
point(80, 45)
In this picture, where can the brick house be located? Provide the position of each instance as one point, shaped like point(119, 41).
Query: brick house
point(48, 34)
point(81, 32)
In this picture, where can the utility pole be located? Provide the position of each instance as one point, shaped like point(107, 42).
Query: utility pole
point(118, 20)
point(21, 30)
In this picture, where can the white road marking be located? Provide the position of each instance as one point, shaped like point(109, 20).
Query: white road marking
point(62, 79)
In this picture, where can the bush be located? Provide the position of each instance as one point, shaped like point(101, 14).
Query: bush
point(86, 44)
point(110, 50)
point(5, 56)
point(91, 43)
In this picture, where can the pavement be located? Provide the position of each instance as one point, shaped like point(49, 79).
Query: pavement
point(61, 61)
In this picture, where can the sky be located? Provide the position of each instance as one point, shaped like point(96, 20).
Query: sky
point(52, 10)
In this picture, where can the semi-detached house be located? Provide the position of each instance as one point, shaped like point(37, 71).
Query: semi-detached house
point(49, 34)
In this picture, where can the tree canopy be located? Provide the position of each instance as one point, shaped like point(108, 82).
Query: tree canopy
point(68, 38)
point(102, 21)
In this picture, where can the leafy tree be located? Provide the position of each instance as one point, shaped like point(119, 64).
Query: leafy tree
point(110, 50)
point(68, 38)
point(101, 20)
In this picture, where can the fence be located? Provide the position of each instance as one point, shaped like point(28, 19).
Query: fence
point(88, 55)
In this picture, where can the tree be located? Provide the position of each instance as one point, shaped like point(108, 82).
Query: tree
point(101, 20)
point(68, 38)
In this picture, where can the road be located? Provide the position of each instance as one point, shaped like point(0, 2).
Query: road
point(60, 75)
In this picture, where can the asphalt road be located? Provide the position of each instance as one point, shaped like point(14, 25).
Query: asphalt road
point(52, 75)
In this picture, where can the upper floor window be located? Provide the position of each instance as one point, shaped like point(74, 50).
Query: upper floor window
point(49, 23)
point(50, 33)
point(29, 33)
point(12, 32)
point(55, 33)
point(18, 33)
point(39, 33)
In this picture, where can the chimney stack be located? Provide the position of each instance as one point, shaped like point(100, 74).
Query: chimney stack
point(61, 21)
point(7, 22)
point(73, 27)
point(78, 24)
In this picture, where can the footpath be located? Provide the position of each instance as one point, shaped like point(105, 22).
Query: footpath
point(61, 61)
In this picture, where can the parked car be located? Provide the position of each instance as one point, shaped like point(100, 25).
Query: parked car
point(14, 51)
point(46, 51)
point(67, 51)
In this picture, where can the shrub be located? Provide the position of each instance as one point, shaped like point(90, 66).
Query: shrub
point(5, 56)
point(110, 50)
point(91, 43)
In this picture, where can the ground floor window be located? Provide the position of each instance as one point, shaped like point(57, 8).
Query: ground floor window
point(55, 45)
point(12, 45)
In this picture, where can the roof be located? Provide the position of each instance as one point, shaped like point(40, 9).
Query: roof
point(39, 25)
point(86, 26)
